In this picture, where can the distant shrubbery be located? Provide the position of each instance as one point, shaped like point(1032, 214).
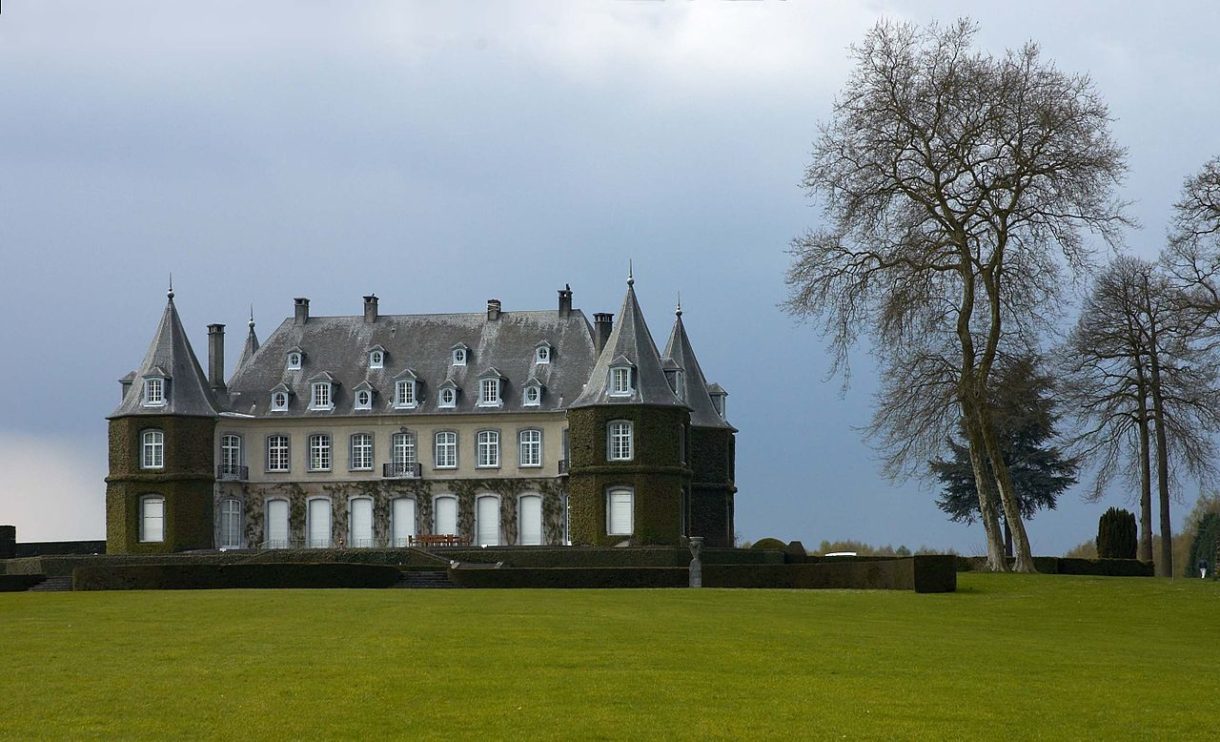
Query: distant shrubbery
point(863, 549)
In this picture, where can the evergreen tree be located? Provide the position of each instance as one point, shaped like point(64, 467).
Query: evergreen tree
point(1023, 409)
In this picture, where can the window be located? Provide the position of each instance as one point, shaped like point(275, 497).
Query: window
point(489, 392)
point(152, 519)
point(230, 454)
point(459, 356)
point(402, 516)
point(402, 453)
point(279, 401)
point(619, 512)
point(152, 449)
point(362, 452)
point(529, 520)
point(276, 535)
point(448, 397)
point(376, 359)
point(277, 453)
point(404, 393)
point(620, 381)
point(542, 354)
point(319, 452)
point(618, 441)
point(320, 398)
point(530, 448)
point(445, 450)
point(487, 520)
point(230, 523)
point(154, 392)
point(364, 400)
point(360, 516)
point(318, 526)
point(488, 448)
point(532, 395)
point(294, 360)
point(444, 513)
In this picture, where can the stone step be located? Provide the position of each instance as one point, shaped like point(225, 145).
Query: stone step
point(59, 584)
point(416, 579)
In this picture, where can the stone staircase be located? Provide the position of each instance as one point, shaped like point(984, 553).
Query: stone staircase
point(418, 579)
point(59, 584)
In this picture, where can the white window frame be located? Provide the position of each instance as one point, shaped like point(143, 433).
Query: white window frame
point(529, 448)
point(452, 401)
point(152, 449)
point(149, 535)
point(321, 396)
point(326, 541)
point(521, 519)
point(320, 452)
point(489, 392)
point(279, 401)
point(404, 451)
point(620, 381)
point(404, 394)
point(352, 540)
point(154, 392)
point(620, 440)
point(610, 493)
point(459, 356)
point(480, 525)
point(542, 354)
point(397, 528)
point(363, 400)
point(267, 522)
point(449, 446)
point(230, 453)
point(487, 449)
point(376, 359)
point(275, 451)
point(536, 391)
point(230, 523)
point(457, 513)
point(360, 452)
point(293, 362)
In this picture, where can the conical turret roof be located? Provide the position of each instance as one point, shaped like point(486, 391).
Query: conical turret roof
point(251, 346)
point(629, 343)
point(678, 350)
point(170, 356)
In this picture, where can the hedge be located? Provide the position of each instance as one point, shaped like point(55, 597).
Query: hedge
point(220, 576)
point(1070, 566)
point(589, 556)
point(65, 564)
point(19, 583)
point(924, 574)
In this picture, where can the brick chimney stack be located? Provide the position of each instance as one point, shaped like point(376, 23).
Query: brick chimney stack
point(300, 310)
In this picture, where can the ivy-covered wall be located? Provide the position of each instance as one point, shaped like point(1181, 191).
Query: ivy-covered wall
point(186, 482)
point(656, 473)
point(712, 488)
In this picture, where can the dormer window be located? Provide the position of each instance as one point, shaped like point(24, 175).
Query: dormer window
point(154, 392)
point(531, 396)
point(461, 353)
point(489, 392)
point(279, 398)
point(620, 381)
point(377, 358)
point(542, 353)
point(320, 396)
point(404, 393)
point(295, 356)
point(362, 397)
point(447, 398)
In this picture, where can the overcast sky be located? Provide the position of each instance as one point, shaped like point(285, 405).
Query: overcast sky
point(439, 154)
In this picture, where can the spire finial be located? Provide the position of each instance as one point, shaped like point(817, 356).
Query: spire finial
point(251, 317)
point(678, 310)
point(630, 273)
point(170, 293)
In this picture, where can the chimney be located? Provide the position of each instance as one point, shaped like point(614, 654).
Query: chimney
point(493, 309)
point(602, 324)
point(301, 314)
point(565, 301)
point(370, 308)
point(216, 357)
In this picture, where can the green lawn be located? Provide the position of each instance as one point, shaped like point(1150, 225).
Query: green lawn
point(1006, 656)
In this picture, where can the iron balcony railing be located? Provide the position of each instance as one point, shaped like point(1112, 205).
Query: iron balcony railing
point(233, 473)
point(397, 470)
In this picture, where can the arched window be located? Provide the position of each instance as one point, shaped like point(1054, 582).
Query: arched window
point(152, 449)
point(318, 526)
point(444, 514)
point(276, 536)
point(230, 523)
point(360, 511)
point(402, 517)
point(152, 519)
point(487, 520)
point(529, 520)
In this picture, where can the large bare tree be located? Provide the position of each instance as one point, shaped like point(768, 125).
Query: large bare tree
point(1143, 381)
point(956, 186)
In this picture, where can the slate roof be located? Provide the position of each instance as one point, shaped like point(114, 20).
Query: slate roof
point(629, 343)
point(251, 346)
point(421, 343)
point(170, 355)
point(678, 351)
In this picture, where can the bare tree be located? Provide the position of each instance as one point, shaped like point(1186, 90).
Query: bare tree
point(956, 187)
point(1144, 388)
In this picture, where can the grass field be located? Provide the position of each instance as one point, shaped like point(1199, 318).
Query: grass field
point(1006, 656)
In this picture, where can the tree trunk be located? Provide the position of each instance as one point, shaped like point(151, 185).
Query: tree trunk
point(1012, 513)
point(1164, 565)
point(985, 486)
point(1145, 545)
point(1007, 539)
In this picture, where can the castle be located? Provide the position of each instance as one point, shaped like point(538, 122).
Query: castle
point(488, 428)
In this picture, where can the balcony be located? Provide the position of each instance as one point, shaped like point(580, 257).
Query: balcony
point(400, 471)
point(232, 473)
point(563, 467)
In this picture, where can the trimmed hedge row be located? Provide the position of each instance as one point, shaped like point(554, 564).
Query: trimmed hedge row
point(63, 565)
point(1070, 566)
point(581, 556)
point(923, 574)
point(221, 576)
point(19, 583)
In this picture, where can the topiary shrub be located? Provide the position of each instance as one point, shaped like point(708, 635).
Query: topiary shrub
point(769, 544)
point(1116, 535)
